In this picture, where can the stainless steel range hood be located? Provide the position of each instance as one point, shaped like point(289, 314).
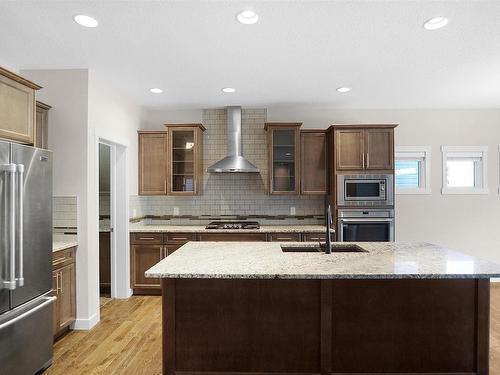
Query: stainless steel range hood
point(234, 162)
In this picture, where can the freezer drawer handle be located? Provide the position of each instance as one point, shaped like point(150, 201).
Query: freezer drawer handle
point(48, 300)
point(20, 218)
point(10, 279)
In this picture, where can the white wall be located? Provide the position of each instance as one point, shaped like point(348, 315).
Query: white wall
point(9, 66)
point(466, 222)
point(85, 108)
point(156, 118)
point(67, 92)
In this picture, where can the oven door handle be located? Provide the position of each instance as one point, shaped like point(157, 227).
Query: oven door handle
point(367, 220)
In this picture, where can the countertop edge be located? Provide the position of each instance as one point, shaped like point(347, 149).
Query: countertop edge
point(59, 246)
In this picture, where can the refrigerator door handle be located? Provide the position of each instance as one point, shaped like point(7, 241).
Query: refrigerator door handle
point(10, 278)
point(47, 300)
point(20, 218)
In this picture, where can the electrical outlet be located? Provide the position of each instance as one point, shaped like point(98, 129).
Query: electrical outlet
point(176, 211)
point(292, 211)
point(134, 212)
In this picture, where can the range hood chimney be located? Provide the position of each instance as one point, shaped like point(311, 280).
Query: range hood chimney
point(234, 162)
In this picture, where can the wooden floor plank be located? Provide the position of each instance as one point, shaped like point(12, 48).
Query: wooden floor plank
point(128, 340)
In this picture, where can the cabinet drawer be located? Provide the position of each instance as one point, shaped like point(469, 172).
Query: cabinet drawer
point(313, 237)
point(180, 237)
point(146, 238)
point(239, 237)
point(283, 237)
point(63, 258)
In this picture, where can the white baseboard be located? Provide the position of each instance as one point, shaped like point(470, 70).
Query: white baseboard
point(86, 324)
point(126, 295)
point(495, 280)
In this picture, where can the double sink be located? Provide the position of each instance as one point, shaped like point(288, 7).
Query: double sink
point(314, 248)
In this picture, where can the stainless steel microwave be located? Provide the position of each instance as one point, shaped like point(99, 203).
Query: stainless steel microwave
point(365, 190)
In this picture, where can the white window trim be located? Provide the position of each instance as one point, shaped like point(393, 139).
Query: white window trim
point(426, 189)
point(483, 150)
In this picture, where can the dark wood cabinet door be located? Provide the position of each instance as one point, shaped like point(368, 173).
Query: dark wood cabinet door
point(379, 145)
point(349, 145)
point(153, 163)
point(185, 166)
point(169, 249)
point(67, 302)
point(283, 237)
point(283, 141)
point(105, 260)
point(143, 257)
point(313, 162)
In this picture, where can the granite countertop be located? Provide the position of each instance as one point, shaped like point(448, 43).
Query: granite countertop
point(201, 228)
point(60, 244)
point(265, 260)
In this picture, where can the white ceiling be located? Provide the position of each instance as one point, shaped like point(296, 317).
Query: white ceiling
point(299, 52)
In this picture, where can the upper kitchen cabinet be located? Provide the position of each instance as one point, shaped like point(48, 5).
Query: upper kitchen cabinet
point(42, 125)
point(153, 162)
point(313, 156)
point(284, 150)
point(364, 147)
point(185, 167)
point(17, 108)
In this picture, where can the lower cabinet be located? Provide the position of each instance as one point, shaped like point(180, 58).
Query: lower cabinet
point(143, 257)
point(64, 288)
point(147, 249)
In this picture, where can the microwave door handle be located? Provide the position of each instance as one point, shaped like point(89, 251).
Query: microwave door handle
point(365, 220)
point(20, 219)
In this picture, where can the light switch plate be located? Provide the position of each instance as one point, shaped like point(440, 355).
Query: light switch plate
point(292, 211)
point(176, 211)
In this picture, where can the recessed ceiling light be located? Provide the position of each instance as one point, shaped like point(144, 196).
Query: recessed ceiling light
point(228, 89)
point(85, 21)
point(156, 90)
point(247, 17)
point(435, 23)
point(344, 89)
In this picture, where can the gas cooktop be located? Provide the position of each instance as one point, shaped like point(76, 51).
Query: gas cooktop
point(233, 225)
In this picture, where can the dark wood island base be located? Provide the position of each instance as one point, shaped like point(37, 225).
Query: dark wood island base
point(347, 326)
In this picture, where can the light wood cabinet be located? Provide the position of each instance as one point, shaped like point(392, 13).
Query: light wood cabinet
point(185, 166)
point(42, 125)
point(283, 142)
point(17, 108)
point(153, 162)
point(64, 288)
point(364, 147)
point(313, 157)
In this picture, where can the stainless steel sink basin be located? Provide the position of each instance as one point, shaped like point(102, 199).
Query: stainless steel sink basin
point(336, 248)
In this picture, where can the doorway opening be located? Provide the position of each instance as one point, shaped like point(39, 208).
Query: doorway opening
point(105, 220)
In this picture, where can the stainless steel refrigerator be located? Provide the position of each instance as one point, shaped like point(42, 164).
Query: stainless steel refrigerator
point(25, 259)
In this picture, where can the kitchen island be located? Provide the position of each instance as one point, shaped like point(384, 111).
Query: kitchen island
point(392, 308)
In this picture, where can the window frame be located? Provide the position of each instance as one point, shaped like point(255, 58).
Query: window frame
point(424, 176)
point(471, 152)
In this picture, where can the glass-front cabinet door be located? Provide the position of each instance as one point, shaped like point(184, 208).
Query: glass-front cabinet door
point(185, 154)
point(283, 143)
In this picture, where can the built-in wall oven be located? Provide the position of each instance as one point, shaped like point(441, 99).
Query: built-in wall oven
point(365, 225)
point(365, 190)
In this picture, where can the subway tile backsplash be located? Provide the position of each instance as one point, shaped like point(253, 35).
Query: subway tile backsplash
point(65, 214)
point(237, 194)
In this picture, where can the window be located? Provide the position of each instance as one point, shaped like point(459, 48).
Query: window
point(413, 170)
point(464, 170)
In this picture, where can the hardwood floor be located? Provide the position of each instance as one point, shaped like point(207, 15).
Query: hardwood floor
point(128, 340)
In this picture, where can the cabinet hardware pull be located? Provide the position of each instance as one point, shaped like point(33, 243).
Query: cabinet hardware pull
point(363, 160)
point(146, 238)
point(367, 160)
point(59, 261)
point(180, 238)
